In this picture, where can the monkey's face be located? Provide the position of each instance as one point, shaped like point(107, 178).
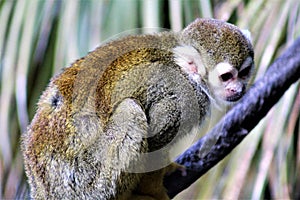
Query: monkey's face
point(228, 83)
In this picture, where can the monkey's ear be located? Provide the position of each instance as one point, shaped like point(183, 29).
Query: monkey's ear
point(189, 59)
point(247, 34)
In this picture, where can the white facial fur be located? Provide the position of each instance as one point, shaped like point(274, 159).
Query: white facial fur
point(227, 82)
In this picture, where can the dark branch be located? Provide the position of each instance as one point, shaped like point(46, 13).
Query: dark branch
point(238, 122)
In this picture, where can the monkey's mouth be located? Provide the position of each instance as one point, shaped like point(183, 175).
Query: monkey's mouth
point(235, 97)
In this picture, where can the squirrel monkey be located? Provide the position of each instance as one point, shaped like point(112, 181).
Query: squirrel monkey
point(100, 119)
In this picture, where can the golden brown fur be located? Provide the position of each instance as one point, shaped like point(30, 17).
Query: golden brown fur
point(128, 97)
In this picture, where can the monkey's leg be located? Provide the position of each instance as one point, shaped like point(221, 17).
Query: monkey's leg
point(124, 141)
point(164, 116)
point(128, 129)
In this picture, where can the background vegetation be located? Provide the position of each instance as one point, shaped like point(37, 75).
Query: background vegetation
point(38, 38)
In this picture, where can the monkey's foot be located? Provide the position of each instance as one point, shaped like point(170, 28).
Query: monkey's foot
point(173, 167)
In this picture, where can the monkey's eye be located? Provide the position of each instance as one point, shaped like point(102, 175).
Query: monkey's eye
point(244, 72)
point(226, 76)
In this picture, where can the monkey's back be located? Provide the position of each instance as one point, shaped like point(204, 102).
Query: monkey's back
point(146, 71)
point(87, 93)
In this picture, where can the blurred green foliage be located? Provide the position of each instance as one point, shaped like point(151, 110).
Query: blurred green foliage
point(38, 38)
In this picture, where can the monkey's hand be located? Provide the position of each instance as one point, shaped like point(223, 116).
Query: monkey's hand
point(152, 182)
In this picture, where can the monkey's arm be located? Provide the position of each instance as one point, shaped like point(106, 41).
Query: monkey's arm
point(163, 114)
point(164, 118)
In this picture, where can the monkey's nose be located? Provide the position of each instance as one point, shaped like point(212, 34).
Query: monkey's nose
point(233, 94)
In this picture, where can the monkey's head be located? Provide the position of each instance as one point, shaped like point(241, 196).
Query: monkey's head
point(221, 54)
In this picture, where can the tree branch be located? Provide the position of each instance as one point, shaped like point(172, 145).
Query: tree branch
point(238, 122)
